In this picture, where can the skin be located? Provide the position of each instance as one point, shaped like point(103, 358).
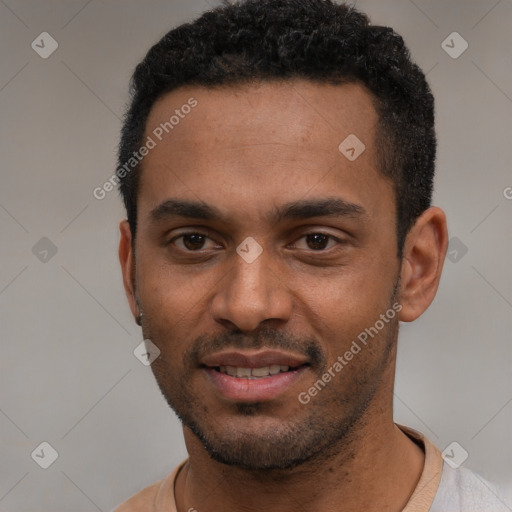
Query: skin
point(247, 151)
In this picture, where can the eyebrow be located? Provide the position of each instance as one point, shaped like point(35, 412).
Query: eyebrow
point(296, 210)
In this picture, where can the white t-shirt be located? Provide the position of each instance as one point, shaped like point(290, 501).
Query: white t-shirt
point(440, 488)
point(463, 490)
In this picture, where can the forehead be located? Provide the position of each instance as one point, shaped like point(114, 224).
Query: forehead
point(294, 111)
point(261, 143)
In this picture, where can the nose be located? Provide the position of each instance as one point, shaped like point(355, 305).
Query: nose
point(251, 293)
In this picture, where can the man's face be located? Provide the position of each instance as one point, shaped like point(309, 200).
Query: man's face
point(265, 159)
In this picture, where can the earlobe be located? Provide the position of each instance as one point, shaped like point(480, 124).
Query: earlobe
point(127, 261)
point(422, 263)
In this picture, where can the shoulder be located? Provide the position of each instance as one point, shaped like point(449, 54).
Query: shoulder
point(158, 497)
point(449, 489)
point(462, 489)
point(143, 501)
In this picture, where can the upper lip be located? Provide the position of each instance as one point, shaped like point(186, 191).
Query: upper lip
point(257, 359)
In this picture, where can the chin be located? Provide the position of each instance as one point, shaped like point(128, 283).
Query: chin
point(256, 452)
point(254, 442)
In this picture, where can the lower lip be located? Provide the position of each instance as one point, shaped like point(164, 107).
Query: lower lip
point(253, 390)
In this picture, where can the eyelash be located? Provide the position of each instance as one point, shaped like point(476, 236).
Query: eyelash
point(188, 233)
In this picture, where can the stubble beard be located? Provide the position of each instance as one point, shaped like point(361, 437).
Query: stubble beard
point(329, 427)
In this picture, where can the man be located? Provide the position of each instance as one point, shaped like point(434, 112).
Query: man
point(276, 165)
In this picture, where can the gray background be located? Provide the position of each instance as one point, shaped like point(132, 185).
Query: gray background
point(68, 375)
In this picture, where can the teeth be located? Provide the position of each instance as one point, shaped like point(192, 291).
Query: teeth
point(253, 373)
point(243, 372)
point(230, 370)
point(260, 372)
point(275, 369)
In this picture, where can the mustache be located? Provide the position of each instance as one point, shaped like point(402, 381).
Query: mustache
point(265, 339)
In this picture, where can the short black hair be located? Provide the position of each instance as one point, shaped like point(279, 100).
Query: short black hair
point(318, 40)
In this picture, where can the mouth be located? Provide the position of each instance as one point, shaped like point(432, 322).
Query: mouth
point(253, 377)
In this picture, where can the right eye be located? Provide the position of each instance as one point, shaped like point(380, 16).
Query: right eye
point(191, 241)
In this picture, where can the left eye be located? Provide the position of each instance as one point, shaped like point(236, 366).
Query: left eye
point(318, 241)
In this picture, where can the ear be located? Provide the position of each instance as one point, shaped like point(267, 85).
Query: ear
point(127, 260)
point(422, 263)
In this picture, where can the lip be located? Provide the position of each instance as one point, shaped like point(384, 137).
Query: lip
point(254, 359)
point(253, 390)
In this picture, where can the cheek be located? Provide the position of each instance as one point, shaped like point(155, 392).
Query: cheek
point(341, 306)
point(364, 282)
point(167, 291)
point(344, 309)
